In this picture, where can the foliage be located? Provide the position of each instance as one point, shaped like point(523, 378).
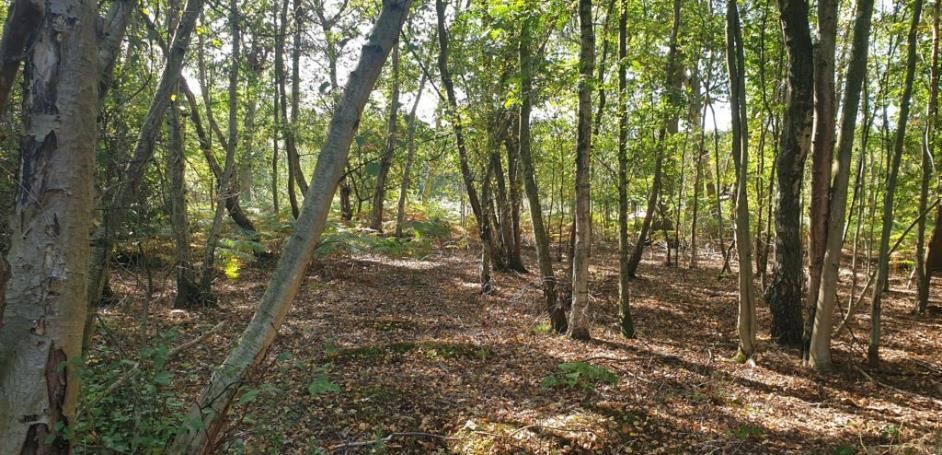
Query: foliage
point(581, 375)
point(140, 416)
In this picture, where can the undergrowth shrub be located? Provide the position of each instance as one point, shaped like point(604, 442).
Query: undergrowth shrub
point(126, 406)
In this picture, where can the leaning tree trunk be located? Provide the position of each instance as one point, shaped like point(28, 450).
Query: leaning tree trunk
point(822, 155)
point(819, 352)
point(624, 298)
point(392, 127)
point(233, 207)
point(544, 255)
point(42, 321)
point(883, 261)
point(579, 317)
point(785, 290)
point(207, 415)
point(740, 145)
point(668, 128)
point(118, 199)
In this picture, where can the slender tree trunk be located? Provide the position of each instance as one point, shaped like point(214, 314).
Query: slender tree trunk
point(119, 198)
point(187, 290)
point(624, 294)
point(410, 158)
point(208, 414)
point(928, 145)
point(822, 155)
point(294, 144)
point(740, 145)
point(873, 349)
point(785, 290)
point(579, 317)
point(544, 255)
point(668, 128)
point(24, 18)
point(291, 153)
point(819, 354)
point(110, 38)
point(41, 323)
point(392, 127)
point(222, 189)
point(484, 228)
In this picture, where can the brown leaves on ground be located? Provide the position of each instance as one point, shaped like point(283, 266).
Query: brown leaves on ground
point(403, 355)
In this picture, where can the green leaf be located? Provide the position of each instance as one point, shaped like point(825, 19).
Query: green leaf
point(322, 386)
point(248, 396)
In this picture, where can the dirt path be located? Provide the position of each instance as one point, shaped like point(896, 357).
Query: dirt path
point(403, 355)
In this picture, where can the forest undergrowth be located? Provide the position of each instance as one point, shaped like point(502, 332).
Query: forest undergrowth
point(398, 353)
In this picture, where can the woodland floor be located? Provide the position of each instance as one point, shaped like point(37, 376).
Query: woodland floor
point(426, 365)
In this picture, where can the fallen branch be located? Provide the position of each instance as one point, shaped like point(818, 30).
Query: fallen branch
point(135, 366)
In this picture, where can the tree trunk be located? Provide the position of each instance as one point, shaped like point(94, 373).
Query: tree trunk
point(110, 39)
point(544, 255)
point(207, 415)
point(392, 127)
point(579, 317)
point(819, 353)
point(883, 261)
point(410, 158)
point(291, 152)
point(484, 229)
point(222, 190)
point(187, 290)
point(24, 17)
point(785, 290)
point(822, 155)
point(118, 199)
point(928, 145)
point(624, 294)
point(42, 321)
point(294, 143)
point(740, 145)
point(668, 128)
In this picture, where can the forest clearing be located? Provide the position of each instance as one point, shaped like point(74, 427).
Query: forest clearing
point(470, 227)
point(424, 364)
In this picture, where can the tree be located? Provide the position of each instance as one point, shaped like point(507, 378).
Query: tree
point(23, 20)
point(624, 298)
point(484, 227)
point(740, 141)
point(207, 415)
point(579, 317)
point(883, 260)
point(42, 322)
point(673, 81)
point(822, 151)
point(819, 354)
point(929, 140)
point(785, 290)
point(118, 199)
point(379, 193)
point(544, 255)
